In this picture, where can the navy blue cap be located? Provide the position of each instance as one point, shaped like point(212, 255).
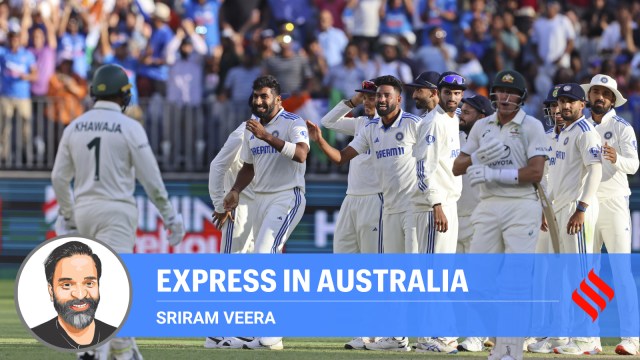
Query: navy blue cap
point(552, 96)
point(427, 79)
point(480, 103)
point(572, 91)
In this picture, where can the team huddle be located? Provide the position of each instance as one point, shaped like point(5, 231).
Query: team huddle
point(456, 179)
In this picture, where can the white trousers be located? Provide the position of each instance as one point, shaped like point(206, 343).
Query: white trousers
point(237, 235)
point(431, 241)
point(112, 222)
point(359, 225)
point(276, 215)
point(399, 233)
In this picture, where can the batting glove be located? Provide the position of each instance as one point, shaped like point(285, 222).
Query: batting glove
point(492, 150)
point(176, 230)
point(483, 174)
point(65, 226)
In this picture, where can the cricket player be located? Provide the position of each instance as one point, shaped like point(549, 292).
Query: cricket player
point(473, 109)
point(358, 229)
point(552, 117)
point(434, 203)
point(359, 226)
point(237, 234)
point(574, 181)
point(103, 151)
point(390, 139)
point(425, 91)
point(504, 155)
point(620, 158)
point(273, 153)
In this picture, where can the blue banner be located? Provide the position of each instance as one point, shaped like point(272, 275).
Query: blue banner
point(383, 295)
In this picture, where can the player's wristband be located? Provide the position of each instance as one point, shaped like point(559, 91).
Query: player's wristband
point(288, 150)
point(581, 208)
point(349, 103)
point(235, 189)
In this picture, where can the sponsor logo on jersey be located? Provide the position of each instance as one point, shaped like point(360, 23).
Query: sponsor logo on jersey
point(455, 153)
point(515, 132)
point(376, 140)
point(608, 135)
point(265, 149)
point(397, 151)
point(98, 126)
point(560, 155)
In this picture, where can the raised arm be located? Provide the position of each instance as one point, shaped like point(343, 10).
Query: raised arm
point(336, 156)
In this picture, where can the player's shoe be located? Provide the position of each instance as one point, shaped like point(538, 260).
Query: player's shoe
point(472, 344)
point(389, 344)
point(438, 345)
point(256, 344)
point(213, 342)
point(579, 346)
point(528, 341)
point(546, 345)
point(235, 342)
point(357, 343)
point(628, 346)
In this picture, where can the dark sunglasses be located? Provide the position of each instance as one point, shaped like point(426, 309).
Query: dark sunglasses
point(369, 85)
point(453, 79)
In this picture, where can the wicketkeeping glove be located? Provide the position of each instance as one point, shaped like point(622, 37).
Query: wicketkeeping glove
point(176, 230)
point(492, 150)
point(65, 226)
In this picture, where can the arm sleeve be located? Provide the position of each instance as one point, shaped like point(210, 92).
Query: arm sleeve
point(360, 143)
point(172, 50)
point(61, 175)
point(538, 140)
point(221, 164)
point(592, 182)
point(245, 153)
point(436, 147)
point(148, 173)
point(336, 119)
point(298, 132)
point(627, 157)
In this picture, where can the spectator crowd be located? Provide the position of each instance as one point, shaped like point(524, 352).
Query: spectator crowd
point(192, 62)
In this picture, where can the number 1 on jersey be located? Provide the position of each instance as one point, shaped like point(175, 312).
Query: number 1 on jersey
point(96, 143)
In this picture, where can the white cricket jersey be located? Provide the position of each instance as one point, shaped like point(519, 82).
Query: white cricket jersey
point(619, 134)
point(552, 139)
point(437, 148)
point(360, 179)
point(104, 151)
point(524, 137)
point(224, 169)
point(578, 147)
point(272, 171)
point(469, 197)
point(392, 152)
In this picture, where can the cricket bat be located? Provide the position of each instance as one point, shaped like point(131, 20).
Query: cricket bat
point(549, 214)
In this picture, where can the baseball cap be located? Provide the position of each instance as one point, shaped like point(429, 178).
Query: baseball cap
point(427, 79)
point(572, 91)
point(368, 87)
point(388, 40)
point(480, 103)
point(552, 95)
point(162, 12)
point(609, 83)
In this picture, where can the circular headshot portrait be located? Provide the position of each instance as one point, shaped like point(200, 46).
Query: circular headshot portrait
point(73, 293)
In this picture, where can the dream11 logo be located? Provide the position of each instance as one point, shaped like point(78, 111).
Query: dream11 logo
point(151, 237)
point(590, 293)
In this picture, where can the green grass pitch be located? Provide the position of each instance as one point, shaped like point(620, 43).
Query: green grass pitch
point(16, 343)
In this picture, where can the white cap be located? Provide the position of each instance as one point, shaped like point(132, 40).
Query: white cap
point(609, 83)
point(162, 12)
point(388, 40)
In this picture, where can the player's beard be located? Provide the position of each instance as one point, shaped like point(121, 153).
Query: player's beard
point(421, 104)
point(387, 111)
point(449, 106)
point(571, 116)
point(598, 108)
point(465, 126)
point(77, 319)
point(263, 111)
